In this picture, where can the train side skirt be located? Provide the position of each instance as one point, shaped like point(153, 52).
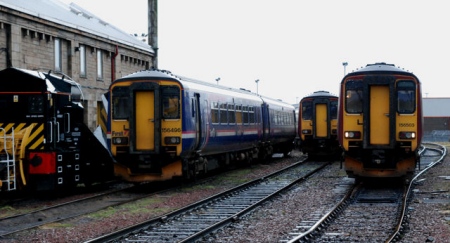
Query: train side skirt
point(168, 172)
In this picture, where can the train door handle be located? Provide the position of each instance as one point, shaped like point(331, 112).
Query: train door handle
point(151, 120)
point(386, 114)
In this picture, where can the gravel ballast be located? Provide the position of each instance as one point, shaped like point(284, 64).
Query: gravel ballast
point(429, 214)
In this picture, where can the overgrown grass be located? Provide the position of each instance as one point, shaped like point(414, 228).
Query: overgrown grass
point(7, 211)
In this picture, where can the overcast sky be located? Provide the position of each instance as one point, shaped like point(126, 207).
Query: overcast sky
point(294, 47)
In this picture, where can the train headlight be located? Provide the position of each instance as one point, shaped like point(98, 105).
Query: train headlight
point(306, 131)
point(352, 134)
point(172, 140)
point(120, 140)
point(407, 135)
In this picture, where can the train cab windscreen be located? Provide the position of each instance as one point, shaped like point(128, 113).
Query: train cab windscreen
point(307, 110)
point(120, 104)
point(354, 97)
point(171, 103)
point(406, 97)
point(333, 109)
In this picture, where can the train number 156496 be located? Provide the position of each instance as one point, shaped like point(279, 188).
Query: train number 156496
point(171, 129)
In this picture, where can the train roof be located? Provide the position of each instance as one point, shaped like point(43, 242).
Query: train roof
point(146, 75)
point(201, 85)
point(320, 93)
point(381, 67)
point(184, 81)
point(23, 80)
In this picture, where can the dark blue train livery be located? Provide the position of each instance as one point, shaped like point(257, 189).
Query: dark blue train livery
point(162, 126)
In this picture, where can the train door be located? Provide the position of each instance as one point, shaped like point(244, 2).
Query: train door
point(145, 120)
point(265, 121)
point(321, 120)
point(197, 118)
point(52, 136)
point(379, 115)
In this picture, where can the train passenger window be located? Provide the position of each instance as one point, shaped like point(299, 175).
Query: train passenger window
point(223, 114)
point(406, 97)
point(171, 102)
point(231, 114)
point(251, 115)
point(120, 98)
point(353, 97)
point(333, 109)
point(215, 112)
point(307, 110)
point(245, 114)
point(273, 117)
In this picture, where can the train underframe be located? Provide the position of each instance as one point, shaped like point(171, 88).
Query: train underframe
point(316, 148)
point(165, 167)
point(386, 163)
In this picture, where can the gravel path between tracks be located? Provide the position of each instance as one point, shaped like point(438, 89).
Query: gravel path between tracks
point(429, 211)
point(81, 229)
point(429, 215)
point(277, 218)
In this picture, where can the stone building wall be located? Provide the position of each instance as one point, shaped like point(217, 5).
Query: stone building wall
point(28, 42)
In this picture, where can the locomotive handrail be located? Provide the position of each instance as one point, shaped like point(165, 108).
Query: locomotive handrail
point(51, 131)
point(59, 132)
point(68, 122)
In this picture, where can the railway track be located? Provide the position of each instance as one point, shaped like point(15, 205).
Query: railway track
point(368, 212)
point(62, 211)
point(202, 218)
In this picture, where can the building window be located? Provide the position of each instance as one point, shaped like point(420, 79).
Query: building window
point(99, 64)
point(58, 61)
point(82, 61)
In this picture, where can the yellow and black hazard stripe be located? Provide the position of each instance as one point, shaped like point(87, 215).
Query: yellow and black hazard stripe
point(33, 139)
point(102, 117)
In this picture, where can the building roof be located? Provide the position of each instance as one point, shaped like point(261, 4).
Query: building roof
point(74, 16)
point(436, 107)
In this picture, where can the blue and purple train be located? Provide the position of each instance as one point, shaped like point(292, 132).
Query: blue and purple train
point(162, 126)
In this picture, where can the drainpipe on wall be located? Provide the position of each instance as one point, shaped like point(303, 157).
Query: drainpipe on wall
point(113, 64)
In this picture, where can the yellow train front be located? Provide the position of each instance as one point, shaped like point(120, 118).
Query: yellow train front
point(380, 121)
point(317, 127)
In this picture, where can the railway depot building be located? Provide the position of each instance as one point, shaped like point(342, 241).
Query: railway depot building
point(436, 115)
point(49, 35)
